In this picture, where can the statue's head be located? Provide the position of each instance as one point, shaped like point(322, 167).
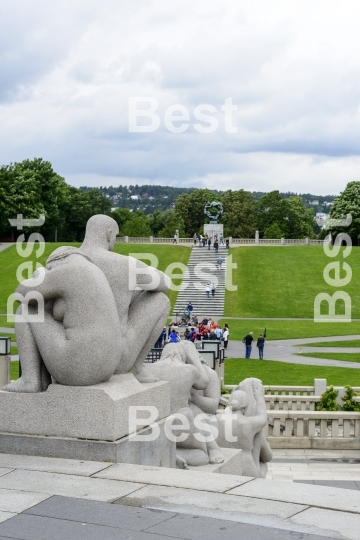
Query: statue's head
point(239, 400)
point(174, 351)
point(101, 231)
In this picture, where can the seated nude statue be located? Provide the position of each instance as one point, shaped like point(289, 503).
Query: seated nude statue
point(180, 364)
point(143, 309)
point(246, 428)
point(78, 342)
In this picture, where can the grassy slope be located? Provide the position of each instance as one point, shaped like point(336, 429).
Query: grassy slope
point(283, 281)
point(283, 373)
point(290, 329)
point(10, 261)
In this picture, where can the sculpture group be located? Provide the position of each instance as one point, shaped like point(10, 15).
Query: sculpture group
point(97, 325)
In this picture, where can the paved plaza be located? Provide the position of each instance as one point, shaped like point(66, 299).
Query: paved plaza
point(58, 499)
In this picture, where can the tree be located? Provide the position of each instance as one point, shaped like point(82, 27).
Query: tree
point(190, 207)
point(121, 216)
point(99, 203)
point(137, 225)
point(172, 222)
point(347, 203)
point(273, 231)
point(239, 216)
point(271, 210)
point(290, 215)
point(300, 220)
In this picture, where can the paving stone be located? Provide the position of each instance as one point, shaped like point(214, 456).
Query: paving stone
point(4, 471)
point(173, 477)
point(27, 527)
point(319, 496)
point(219, 505)
point(200, 528)
point(342, 524)
point(6, 515)
point(99, 513)
point(35, 463)
point(18, 501)
point(67, 485)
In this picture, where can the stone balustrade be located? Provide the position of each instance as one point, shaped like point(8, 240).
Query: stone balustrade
point(233, 241)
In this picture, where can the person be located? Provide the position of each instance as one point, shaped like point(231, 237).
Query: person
point(213, 335)
point(213, 288)
point(200, 240)
point(216, 246)
point(175, 239)
point(195, 238)
point(248, 339)
point(193, 334)
point(219, 262)
point(173, 338)
point(221, 240)
point(187, 334)
point(260, 345)
point(66, 344)
point(136, 298)
point(204, 241)
point(227, 243)
point(226, 337)
point(190, 308)
point(218, 332)
point(205, 335)
point(195, 320)
point(207, 289)
point(209, 243)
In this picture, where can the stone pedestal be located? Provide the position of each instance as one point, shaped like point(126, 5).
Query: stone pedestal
point(89, 422)
point(231, 465)
point(214, 228)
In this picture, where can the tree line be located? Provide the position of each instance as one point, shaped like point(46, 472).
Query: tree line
point(32, 188)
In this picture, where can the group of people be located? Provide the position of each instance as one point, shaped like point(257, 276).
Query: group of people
point(207, 329)
point(260, 343)
point(206, 240)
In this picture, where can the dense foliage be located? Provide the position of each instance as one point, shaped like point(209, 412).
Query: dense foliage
point(32, 188)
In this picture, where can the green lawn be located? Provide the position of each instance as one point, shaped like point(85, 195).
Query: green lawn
point(283, 373)
point(289, 329)
point(345, 343)
point(10, 261)
point(284, 281)
point(345, 357)
point(14, 371)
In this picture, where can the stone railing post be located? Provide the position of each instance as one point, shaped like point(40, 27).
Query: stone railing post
point(256, 237)
point(151, 238)
point(282, 241)
point(126, 239)
point(306, 241)
point(319, 386)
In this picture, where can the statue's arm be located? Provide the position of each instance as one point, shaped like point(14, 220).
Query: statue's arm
point(48, 287)
point(201, 378)
point(209, 400)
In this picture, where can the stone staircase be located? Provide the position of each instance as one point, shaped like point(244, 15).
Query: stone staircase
point(193, 286)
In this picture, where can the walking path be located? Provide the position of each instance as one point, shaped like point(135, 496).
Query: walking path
point(5, 246)
point(286, 350)
point(62, 499)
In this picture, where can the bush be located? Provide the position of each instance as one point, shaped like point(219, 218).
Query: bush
point(328, 401)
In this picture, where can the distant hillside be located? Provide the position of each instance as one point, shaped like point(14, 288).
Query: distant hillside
point(149, 198)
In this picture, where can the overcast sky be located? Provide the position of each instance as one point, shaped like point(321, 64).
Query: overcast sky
point(69, 68)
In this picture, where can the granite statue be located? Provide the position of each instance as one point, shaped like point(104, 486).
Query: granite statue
point(78, 342)
point(247, 415)
point(142, 309)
